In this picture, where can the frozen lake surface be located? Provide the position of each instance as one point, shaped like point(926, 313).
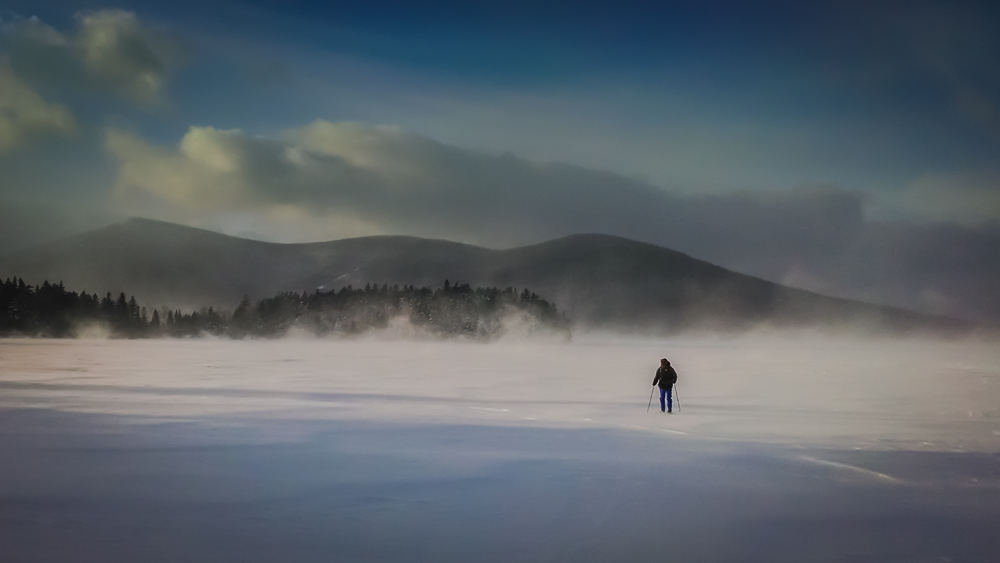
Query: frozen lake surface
point(785, 449)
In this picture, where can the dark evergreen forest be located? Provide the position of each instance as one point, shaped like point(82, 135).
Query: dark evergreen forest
point(50, 310)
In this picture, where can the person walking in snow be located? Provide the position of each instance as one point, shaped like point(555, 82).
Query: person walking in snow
point(665, 378)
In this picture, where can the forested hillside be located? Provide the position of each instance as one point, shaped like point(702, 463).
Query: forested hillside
point(451, 311)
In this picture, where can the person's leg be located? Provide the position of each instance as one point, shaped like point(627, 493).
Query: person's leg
point(670, 399)
point(663, 406)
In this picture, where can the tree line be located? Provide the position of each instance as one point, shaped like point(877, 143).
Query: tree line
point(453, 310)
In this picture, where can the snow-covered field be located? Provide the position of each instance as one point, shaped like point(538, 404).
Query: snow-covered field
point(784, 449)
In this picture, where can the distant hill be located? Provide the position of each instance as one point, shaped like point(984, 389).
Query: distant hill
point(598, 280)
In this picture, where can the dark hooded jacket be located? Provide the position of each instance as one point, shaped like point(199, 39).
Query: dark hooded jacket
point(665, 377)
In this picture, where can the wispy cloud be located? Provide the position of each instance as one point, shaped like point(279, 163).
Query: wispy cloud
point(25, 116)
point(110, 50)
point(121, 53)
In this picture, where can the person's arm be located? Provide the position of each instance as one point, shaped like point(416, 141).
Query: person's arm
point(659, 372)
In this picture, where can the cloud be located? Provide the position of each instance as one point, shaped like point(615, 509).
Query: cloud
point(110, 50)
point(968, 198)
point(377, 175)
point(175, 177)
point(25, 116)
point(941, 268)
point(385, 175)
point(227, 180)
point(33, 30)
point(118, 51)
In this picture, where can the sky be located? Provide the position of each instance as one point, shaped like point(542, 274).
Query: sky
point(851, 148)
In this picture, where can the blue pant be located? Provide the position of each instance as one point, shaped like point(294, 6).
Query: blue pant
point(669, 404)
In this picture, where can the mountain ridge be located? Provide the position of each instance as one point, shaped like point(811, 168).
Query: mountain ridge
point(600, 280)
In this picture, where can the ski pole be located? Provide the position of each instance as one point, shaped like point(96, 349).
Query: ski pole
point(677, 394)
point(650, 399)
